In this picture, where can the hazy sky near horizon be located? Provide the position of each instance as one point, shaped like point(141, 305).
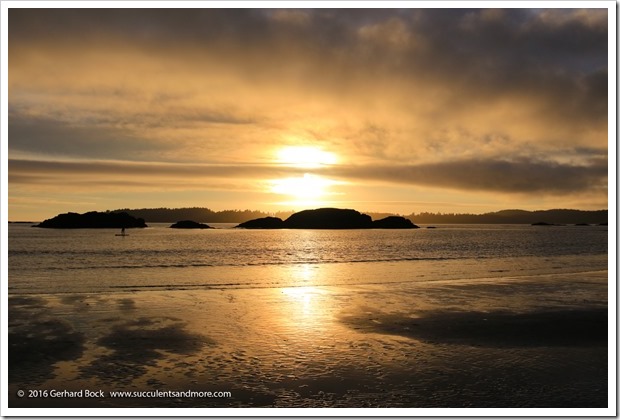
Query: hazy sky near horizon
point(397, 110)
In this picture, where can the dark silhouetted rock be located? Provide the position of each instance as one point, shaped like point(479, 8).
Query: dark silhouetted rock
point(542, 224)
point(394, 222)
point(92, 220)
point(328, 218)
point(263, 223)
point(190, 224)
point(582, 224)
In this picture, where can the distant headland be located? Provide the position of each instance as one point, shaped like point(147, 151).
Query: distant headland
point(329, 218)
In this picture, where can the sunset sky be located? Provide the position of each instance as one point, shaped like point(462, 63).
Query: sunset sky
point(393, 110)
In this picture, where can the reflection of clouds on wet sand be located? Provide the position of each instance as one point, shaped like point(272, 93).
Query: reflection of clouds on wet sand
point(37, 340)
point(492, 329)
point(126, 305)
point(141, 343)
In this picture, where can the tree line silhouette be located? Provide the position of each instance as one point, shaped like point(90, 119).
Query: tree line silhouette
point(206, 215)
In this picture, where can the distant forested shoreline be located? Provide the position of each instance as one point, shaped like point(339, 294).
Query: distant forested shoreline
point(556, 216)
point(206, 215)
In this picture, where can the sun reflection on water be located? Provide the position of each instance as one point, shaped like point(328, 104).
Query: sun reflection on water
point(306, 273)
point(303, 310)
point(302, 296)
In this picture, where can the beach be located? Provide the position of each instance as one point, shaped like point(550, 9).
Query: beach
point(513, 341)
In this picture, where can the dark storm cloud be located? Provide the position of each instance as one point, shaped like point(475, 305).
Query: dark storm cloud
point(558, 55)
point(510, 39)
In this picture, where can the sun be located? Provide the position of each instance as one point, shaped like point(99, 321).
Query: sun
point(306, 188)
point(309, 189)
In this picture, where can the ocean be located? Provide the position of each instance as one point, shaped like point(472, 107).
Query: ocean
point(95, 260)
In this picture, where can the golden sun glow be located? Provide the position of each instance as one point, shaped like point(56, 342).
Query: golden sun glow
point(305, 156)
point(309, 189)
point(303, 299)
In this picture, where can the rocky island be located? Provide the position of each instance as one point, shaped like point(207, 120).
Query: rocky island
point(93, 220)
point(263, 223)
point(190, 224)
point(393, 222)
point(329, 218)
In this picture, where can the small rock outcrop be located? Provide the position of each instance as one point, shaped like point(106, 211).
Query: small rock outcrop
point(263, 223)
point(189, 224)
point(93, 220)
point(394, 222)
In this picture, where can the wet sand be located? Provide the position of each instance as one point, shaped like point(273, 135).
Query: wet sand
point(536, 341)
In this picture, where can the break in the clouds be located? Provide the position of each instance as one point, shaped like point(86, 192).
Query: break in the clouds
point(502, 100)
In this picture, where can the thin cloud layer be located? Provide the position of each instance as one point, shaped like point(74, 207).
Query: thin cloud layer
point(521, 176)
point(515, 98)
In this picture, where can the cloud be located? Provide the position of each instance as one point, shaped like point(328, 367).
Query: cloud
point(141, 136)
point(520, 176)
point(53, 137)
point(503, 100)
point(54, 175)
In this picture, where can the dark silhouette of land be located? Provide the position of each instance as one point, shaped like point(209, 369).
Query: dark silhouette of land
point(329, 218)
point(393, 222)
point(263, 223)
point(190, 224)
point(205, 215)
point(93, 220)
point(555, 216)
point(199, 214)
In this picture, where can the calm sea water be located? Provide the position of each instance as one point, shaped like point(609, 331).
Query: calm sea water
point(95, 260)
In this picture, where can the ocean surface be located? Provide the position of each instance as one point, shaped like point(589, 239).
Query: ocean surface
point(50, 261)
